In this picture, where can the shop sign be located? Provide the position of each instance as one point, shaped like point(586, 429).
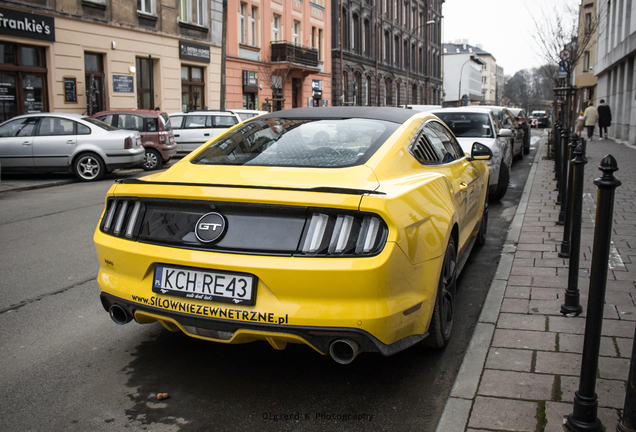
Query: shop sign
point(194, 52)
point(28, 25)
point(250, 82)
point(317, 85)
point(123, 84)
point(70, 90)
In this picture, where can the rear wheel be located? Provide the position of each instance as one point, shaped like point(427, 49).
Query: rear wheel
point(502, 183)
point(89, 167)
point(152, 160)
point(443, 314)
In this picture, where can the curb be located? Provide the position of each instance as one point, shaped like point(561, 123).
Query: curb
point(39, 186)
point(459, 404)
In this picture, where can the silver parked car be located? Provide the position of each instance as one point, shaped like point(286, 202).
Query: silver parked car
point(67, 142)
point(192, 129)
point(472, 125)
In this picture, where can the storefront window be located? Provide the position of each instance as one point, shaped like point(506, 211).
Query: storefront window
point(22, 80)
point(192, 87)
point(94, 82)
point(144, 83)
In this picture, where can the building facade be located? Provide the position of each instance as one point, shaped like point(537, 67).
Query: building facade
point(488, 77)
point(614, 67)
point(278, 54)
point(386, 52)
point(463, 74)
point(584, 78)
point(85, 56)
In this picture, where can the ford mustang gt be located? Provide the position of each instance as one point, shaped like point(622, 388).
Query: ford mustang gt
point(340, 228)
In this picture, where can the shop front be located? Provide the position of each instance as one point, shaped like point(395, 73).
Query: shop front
point(250, 90)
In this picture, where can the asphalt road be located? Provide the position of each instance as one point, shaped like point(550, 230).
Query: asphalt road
point(66, 366)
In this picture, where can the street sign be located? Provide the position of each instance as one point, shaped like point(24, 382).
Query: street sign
point(564, 55)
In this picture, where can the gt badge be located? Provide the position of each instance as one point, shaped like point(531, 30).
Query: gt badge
point(210, 227)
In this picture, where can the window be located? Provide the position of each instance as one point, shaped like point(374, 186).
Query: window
point(588, 22)
point(296, 33)
point(56, 126)
point(320, 55)
point(194, 12)
point(94, 81)
point(192, 87)
point(131, 122)
point(275, 28)
point(586, 61)
point(145, 98)
point(146, 6)
point(243, 25)
point(313, 37)
point(253, 26)
point(484, 80)
point(23, 79)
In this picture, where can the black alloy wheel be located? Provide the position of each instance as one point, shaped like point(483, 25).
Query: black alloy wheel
point(443, 314)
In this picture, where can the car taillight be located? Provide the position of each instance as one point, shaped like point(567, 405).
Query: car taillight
point(128, 143)
point(162, 136)
point(344, 235)
point(122, 218)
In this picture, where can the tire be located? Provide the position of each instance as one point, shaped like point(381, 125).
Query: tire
point(89, 167)
point(442, 321)
point(519, 155)
point(483, 229)
point(152, 160)
point(526, 146)
point(502, 183)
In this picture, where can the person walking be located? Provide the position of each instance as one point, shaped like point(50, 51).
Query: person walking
point(604, 118)
point(591, 117)
point(580, 124)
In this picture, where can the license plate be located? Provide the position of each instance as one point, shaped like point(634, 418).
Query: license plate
point(204, 284)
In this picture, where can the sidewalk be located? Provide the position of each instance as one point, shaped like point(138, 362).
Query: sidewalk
point(523, 363)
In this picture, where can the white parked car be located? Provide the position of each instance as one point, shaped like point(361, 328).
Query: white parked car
point(195, 128)
point(67, 142)
point(245, 114)
point(480, 125)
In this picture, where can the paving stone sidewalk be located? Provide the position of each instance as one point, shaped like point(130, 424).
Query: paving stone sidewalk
point(523, 363)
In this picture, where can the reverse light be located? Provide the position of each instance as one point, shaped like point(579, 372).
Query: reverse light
point(342, 234)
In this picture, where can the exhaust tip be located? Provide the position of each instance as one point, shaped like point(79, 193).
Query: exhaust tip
point(344, 351)
point(119, 315)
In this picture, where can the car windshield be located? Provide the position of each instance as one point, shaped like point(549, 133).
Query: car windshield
point(299, 143)
point(474, 125)
point(99, 123)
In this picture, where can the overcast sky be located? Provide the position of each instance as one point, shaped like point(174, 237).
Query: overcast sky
point(504, 28)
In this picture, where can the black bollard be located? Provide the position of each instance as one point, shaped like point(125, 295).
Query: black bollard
point(584, 414)
point(557, 153)
point(628, 422)
point(572, 296)
point(563, 176)
point(565, 244)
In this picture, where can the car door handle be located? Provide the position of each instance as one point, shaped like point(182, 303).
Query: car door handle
point(26, 143)
point(70, 142)
point(206, 134)
point(462, 186)
point(176, 135)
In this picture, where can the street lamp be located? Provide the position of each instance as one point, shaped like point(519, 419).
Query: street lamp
point(408, 62)
point(461, 72)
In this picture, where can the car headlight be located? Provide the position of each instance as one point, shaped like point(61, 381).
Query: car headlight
point(341, 234)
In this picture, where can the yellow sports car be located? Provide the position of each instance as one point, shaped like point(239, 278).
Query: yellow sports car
point(341, 228)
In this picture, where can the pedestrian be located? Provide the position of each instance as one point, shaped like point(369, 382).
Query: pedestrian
point(604, 118)
point(591, 117)
point(580, 124)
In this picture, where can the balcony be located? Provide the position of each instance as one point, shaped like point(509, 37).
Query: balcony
point(284, 51)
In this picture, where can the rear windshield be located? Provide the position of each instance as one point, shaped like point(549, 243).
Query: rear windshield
point(474, 125)
point(99, 123)
point(165, 120)
point(299, 143)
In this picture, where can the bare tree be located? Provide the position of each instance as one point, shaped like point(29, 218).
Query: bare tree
point(273, 74)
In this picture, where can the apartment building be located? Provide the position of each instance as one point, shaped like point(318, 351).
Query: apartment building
point(277, 54)
point(584, 78)
point(84, 56)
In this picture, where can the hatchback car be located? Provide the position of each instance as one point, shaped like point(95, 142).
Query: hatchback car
point(472, 125)
point(524, 121)
point(192, 129)
point(352, 244)
point(67, 142)
point(155, 130)
point(507, 120)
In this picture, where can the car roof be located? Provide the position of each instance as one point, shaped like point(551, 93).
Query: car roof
point(480, 109)
point(392, 114)
point(73, 116)
point(204, 112)
point(130, 111)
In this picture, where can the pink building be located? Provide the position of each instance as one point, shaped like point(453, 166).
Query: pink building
point(278, 54)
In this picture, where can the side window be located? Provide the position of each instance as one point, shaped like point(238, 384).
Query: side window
point(196, 121)
point(107, 118)
point(224, 121)
point(56, 126)
point(442, 141)
point(451, 142)
point(83, 129)
point(176, 121)
point(131, 122)
point(21, 127)
point(152, 124)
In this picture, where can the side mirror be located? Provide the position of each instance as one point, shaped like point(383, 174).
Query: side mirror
point(480, 152)
point(505, 133)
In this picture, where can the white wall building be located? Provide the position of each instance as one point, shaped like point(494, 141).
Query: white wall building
point(615, 62)
point(462, 75)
